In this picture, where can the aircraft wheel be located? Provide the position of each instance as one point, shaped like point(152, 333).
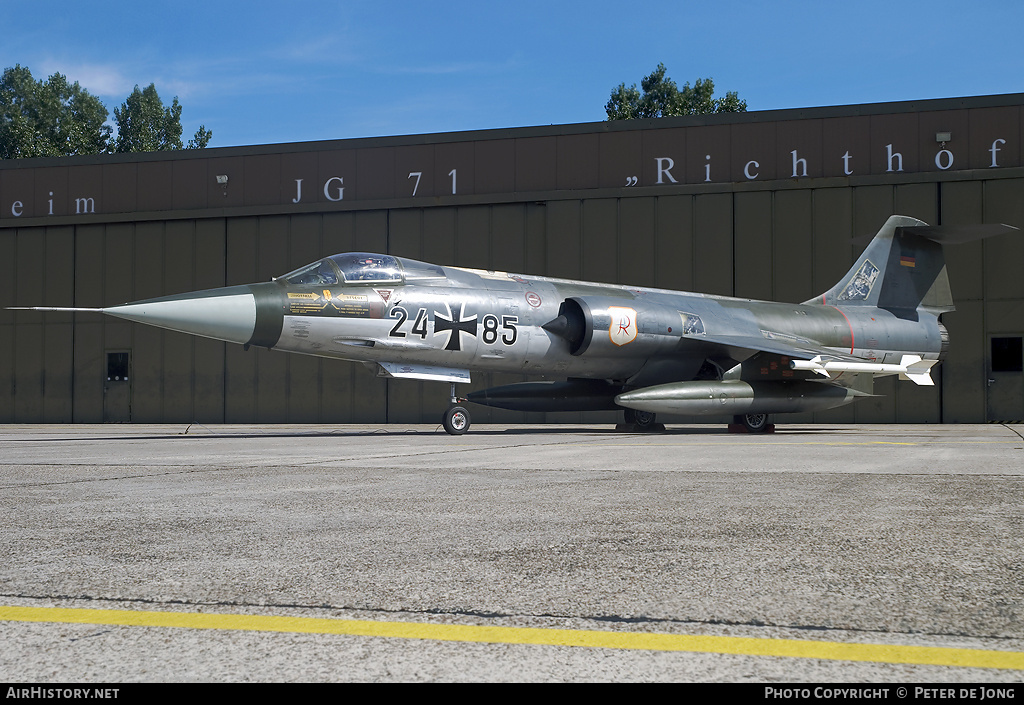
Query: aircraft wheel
point(456, 421)
point(754, 423)
point(643, 420)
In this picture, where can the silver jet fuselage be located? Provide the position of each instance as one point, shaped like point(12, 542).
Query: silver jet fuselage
point(602, 346)
point(429, 322)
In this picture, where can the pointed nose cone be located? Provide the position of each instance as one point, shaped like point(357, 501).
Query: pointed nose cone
point(223, 314)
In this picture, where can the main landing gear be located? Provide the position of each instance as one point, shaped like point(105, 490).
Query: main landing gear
point(643, 420)
point(751, 423)
point(640, 422)
point(456, 419)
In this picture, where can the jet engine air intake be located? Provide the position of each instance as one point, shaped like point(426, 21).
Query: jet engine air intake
point(616, 327)
point(571, 325)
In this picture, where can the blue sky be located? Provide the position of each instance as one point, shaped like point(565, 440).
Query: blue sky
point(267, 72)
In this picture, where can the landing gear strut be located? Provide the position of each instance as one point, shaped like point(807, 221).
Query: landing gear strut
point(456, 419)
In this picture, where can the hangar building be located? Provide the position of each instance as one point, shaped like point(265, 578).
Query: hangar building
point(758, 204)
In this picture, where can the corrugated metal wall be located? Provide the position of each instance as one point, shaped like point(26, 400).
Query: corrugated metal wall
point(750, 240)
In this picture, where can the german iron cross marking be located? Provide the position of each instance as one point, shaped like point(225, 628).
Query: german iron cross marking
point(455, 324)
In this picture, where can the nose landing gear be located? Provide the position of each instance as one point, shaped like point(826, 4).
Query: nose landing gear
point(456, 419)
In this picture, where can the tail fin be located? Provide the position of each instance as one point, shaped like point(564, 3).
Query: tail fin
point(903, 268)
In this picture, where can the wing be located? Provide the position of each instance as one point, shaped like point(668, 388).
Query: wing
point(739, 347)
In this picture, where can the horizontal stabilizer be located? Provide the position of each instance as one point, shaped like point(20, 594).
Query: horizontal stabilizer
point(957, 234)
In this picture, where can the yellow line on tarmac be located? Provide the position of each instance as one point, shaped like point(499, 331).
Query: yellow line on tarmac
point(793, 648)
point(746, 442)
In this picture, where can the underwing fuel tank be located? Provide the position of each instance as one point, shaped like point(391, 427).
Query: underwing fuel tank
point(735, 397)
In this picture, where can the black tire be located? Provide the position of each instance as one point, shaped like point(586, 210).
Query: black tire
point(754, 423)
point(641, 419)
point(456, 421)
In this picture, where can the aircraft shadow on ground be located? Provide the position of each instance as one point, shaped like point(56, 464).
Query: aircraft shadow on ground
point(553, 430)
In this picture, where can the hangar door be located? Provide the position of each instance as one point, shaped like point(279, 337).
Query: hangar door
point(1006, 378)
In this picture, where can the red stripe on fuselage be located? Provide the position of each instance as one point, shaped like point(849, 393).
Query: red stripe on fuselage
point(851, 328)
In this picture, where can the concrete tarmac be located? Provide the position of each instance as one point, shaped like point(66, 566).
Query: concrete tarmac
point(809, 540)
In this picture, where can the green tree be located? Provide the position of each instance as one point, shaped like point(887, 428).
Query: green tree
point(200, 139)
point(49, 119)
point(661, 97)
point(145, 125)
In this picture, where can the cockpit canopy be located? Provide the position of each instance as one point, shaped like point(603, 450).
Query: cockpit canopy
point(362, 267)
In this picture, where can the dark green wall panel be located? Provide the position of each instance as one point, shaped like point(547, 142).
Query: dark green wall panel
point(833, 230)
point(563, 247)
point(599, 246)
point(148, 373)
point(793, 251)
point(918, 201)
point(405, 233)
point(963, 372)
point(1004, 256)
point(713, 250)
point(753, 241)
point(208, 381)
point(371, 231)
point(962, 204)
point(240, 371)
point(9, 322)
point(472, 237)
point(438, 244)
point(673, 243)
point(508, 237)
point(90, 369)
point(29, 383)
point(338, 233)
point(536, 238)
point(782, 243)
point(635, 245)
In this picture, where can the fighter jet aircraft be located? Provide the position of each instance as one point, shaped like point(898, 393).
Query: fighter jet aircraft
point(645, 351)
